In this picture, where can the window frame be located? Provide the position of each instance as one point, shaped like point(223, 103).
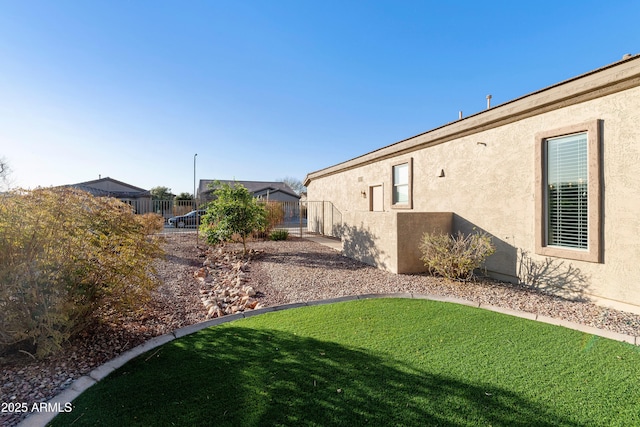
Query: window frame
point(409, 203)
point(593, 253)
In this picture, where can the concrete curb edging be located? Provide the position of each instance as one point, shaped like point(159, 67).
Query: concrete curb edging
point(40, 419)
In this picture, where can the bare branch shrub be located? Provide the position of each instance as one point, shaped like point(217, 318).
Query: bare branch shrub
point(455, 257)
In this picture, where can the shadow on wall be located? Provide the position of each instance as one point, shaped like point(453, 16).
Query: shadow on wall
point(322, 218)
point(552, 276)
point(360, 244)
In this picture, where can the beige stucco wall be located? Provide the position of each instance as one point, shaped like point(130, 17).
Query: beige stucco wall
point(390, 240)
point(488, 184)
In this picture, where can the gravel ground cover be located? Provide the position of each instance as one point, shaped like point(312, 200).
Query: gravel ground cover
point(301, 271)
point(282, 272)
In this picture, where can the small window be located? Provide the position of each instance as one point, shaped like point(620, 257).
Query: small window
point(568, 192)
point(401, 176)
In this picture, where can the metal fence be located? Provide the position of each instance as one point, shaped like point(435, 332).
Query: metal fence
point(305, 218)
point(323, 218)
point(165, 208)
point(299, 219)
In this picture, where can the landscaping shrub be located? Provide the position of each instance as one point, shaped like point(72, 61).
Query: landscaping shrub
point(279, 235)
point(455, 257)
point(275, 214)
point(151, 223)
point(66, 255)
point(179, 209)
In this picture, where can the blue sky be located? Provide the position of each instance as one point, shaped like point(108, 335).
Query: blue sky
point(261, 90)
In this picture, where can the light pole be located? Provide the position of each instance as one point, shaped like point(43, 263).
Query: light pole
point(195, 203)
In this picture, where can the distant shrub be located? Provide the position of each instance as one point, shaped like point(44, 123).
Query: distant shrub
point(66, 255)
point(455, 257)
point(181, 209)
point(275, 214)
point(279, 235)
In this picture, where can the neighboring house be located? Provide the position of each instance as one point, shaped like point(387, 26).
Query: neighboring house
point(137, 197)
point(551, 176)
point(272, 191)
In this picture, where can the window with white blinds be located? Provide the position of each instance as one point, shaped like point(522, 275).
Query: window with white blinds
point(401, 184)
point(567, 191)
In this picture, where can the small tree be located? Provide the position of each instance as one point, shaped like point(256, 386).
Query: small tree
point(4, 173)
point(161, 193)
point(295, 184)
point(184, 196)
point(234, 211)
point(4, 168)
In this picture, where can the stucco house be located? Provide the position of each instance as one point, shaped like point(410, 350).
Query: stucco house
point(137, 197)
point(551, 176)
point(264, 190)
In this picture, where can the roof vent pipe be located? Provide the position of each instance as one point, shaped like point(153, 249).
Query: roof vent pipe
point(488, 101)
point(459, 115)
point(626, 56)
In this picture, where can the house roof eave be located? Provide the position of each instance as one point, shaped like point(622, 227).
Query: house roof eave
point(620, 75)
point(89, 183)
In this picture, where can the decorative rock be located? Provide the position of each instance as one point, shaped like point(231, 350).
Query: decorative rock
point(224, 276)
point(200, 273)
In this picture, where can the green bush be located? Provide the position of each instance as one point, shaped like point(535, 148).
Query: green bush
point(64, 257)
point(279, 235)
point(455, 257)
point(233, 212)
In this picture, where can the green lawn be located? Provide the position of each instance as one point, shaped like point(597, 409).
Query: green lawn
point(373, 362)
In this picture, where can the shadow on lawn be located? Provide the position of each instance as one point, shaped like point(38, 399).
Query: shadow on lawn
point(240, 376)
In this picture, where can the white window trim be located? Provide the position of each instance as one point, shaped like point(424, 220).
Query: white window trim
point(593, 253)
